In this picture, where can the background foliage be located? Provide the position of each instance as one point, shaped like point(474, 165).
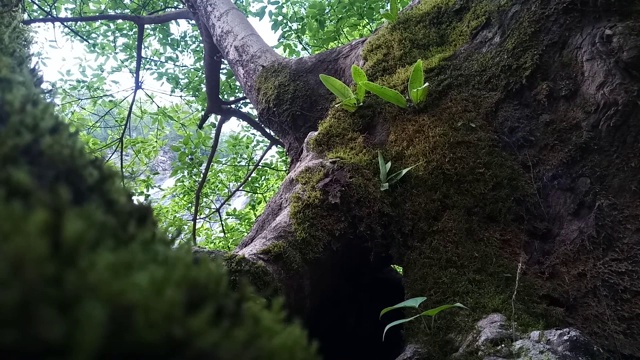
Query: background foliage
point(162, 144)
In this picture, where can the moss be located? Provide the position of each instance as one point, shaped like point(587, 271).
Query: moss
point(85, 273)
point(243, 272)
point(454, 221)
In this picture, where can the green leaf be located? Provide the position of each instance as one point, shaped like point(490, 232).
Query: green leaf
point(416, 81)
point(388, 17)
point(435, 311)
point(393, 9)
point(397, 322)
point(383, 169)
point(359, 76)
point(337, 87)
point(421, 93)
point(350, 104)
point(410, 303)
point(397, 176)
point(384, 186)
point(385, 93)
point(388, 166)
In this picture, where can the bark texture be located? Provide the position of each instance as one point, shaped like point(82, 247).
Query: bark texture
point(527, 151)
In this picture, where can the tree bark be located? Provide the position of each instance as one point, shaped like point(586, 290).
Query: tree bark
point(527, 148)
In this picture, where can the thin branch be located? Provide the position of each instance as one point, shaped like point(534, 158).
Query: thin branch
point(246, 178)
point(65, 25)
point(234, 101)
point(240, 186)
point(224, 232)
point(255, 125)
point(163, 18)
point(127, 122)
point(205, 173)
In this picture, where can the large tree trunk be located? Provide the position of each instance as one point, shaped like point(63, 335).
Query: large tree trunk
point(527, 148)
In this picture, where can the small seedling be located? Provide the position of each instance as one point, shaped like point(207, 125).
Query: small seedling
point(385, 180)
point(414, 303)
point(418, 89)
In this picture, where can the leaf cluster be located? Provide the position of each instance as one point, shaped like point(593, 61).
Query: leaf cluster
point(349, 101)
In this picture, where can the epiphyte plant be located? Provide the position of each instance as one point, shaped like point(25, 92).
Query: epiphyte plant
point(385, 180)
point(414, 303)
point(348, 100)
point(418, 89)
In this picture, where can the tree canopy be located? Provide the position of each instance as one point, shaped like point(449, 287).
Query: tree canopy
point(139, 91)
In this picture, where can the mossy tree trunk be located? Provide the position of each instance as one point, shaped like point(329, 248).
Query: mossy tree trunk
point(527, 151)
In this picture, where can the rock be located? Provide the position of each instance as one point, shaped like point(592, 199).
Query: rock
point(413, 352)
point(494, 340)
point(563, 344)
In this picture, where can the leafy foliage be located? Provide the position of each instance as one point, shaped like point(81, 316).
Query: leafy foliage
point(312, 26)
point(164, 153)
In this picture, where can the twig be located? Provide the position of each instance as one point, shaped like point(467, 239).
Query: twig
point(205, 173)
point(63, 24)
point(246, 178)
point(513, 299)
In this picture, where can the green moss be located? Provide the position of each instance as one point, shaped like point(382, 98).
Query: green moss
point(243, 272)
point(85, 274)
point(453, 221)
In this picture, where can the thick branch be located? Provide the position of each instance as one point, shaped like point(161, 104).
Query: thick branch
point(242, 47)
point(183, 14)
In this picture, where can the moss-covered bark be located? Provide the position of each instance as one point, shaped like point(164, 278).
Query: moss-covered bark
point(85, 274)
point(476, 203)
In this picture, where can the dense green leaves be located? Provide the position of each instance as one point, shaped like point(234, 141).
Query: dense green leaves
point(312, 26)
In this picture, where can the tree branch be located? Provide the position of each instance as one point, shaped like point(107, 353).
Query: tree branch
point(240, 44)
point(137, 86)
point(182, 14)
point(254, 124)
point(246, 178)
point(205, 173)
point(66, 26)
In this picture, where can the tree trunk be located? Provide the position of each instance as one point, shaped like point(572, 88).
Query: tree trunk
point(526, 150)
